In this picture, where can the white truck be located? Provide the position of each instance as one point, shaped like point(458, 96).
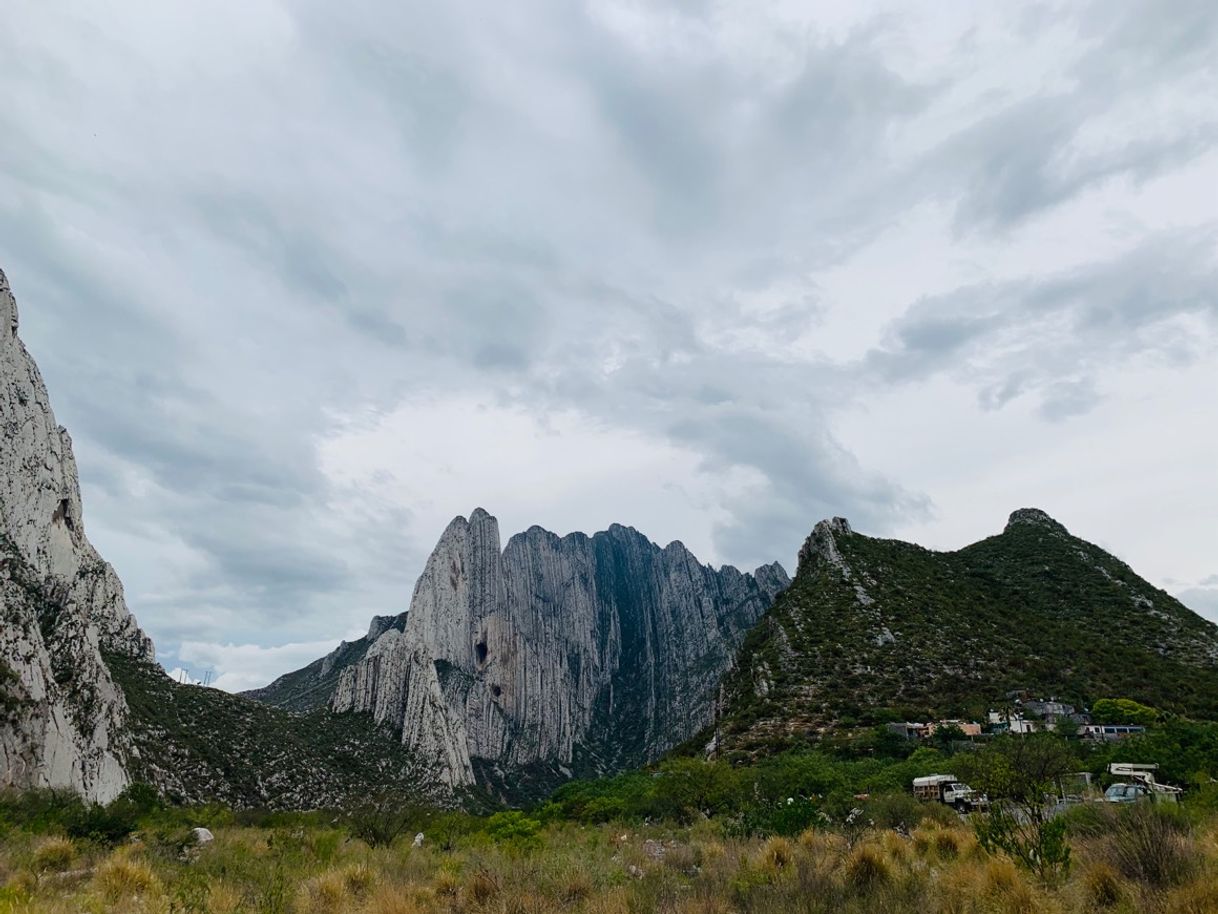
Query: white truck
point(947, 789)
point(1139, 784)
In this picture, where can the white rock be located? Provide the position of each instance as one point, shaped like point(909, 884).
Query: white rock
point(203, 836)
point(59, 601)
point(606, 645)
point(419, 839)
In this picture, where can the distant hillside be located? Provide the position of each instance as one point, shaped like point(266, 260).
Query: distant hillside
point(201, 745)
point(875, 629)
point(311, 688)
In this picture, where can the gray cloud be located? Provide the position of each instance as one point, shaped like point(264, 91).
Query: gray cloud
point(234, 236)
point(1049, 335)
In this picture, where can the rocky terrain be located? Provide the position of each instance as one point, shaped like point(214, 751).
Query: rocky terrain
point(873, 630)
point(312, 687)
point(556, 656)
point(83, 704)
point(199, 745)
point(63, 717)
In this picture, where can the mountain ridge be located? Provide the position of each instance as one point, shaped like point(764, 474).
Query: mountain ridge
point(554, 655)
point(873, 627)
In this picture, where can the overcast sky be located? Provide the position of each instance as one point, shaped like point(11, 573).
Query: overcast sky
point(307, 279)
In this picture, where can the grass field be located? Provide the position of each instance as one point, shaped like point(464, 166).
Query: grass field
point(1131, 861)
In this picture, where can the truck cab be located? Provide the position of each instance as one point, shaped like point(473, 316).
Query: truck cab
point(948, 790)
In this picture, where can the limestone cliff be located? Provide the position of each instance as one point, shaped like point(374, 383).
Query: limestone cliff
point(585, 654)
point(61, 715)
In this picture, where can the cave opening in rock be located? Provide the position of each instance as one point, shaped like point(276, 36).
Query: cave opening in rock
point(480, 649)
point(496, 691)
point(63, 513)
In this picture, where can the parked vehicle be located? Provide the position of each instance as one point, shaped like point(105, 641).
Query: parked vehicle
point(948, 790)
point(1139, 784)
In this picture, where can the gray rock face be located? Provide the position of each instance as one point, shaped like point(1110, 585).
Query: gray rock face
point(312, 687)
point(586, 653)
point(1034, 517)
point(61, 714)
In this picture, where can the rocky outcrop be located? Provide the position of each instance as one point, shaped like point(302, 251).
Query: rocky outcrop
point(312, 687)
point(587, 654)
point(1034, 517)
point(62, 715)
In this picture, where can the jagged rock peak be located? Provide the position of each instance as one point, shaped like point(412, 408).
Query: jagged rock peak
point(821, 545)
point(1034, 517)
point(8, 306)
point(382, 624)
point(599, 652)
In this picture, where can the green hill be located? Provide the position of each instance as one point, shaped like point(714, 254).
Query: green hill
point(201, 745)
point(873, 630)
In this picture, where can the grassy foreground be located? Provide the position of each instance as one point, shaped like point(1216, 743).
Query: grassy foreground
point(1137, 860)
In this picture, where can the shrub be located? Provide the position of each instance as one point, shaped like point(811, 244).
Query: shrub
point(121, 877)
point(446, 884)
point(359, 880)
point(1199, 897)
point(576, 888)
point(54, 854)
point(383, 818)
point(898, 811)
point(1020, 774)
point(867, 868)
point(1102, 885)
point(1151, 845)
point(777, 854)
point(514, 829)
point(482, 887)
point(322, 894)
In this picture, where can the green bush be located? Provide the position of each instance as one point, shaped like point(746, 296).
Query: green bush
point(514, 829)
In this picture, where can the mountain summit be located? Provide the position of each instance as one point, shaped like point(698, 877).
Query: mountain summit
point(552, 657)
point(876, 629)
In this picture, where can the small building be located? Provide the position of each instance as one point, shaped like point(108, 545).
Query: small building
point(967, 727)
point(1012, 722)
point(1110, 732)
point(916, 731)
point(1052, 708)
point(908, 730)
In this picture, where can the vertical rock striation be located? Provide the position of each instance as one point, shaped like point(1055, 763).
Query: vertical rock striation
point(586, 654)
point(61, 714)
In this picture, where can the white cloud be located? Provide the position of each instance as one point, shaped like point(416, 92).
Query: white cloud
point(237, 667)
point(564, 471)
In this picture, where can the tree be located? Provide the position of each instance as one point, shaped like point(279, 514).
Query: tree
point(948, 735)
point(384, 817)
point(1123, 711)
point(1021, 775)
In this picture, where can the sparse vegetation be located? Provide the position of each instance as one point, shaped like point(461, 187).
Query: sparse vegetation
point(301, 864)
point(805, 831)
point(911, 634)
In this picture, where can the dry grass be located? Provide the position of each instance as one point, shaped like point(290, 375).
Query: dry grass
point(53, 855)
point(867, 869)
point(1102, 885)
point(122, 877)
point(937, 870)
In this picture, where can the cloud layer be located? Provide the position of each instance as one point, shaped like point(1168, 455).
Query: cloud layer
point(308, 280)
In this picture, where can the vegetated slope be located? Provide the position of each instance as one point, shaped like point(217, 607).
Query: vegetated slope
point(201, 745)
point(875, 629)
point(311, 688)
